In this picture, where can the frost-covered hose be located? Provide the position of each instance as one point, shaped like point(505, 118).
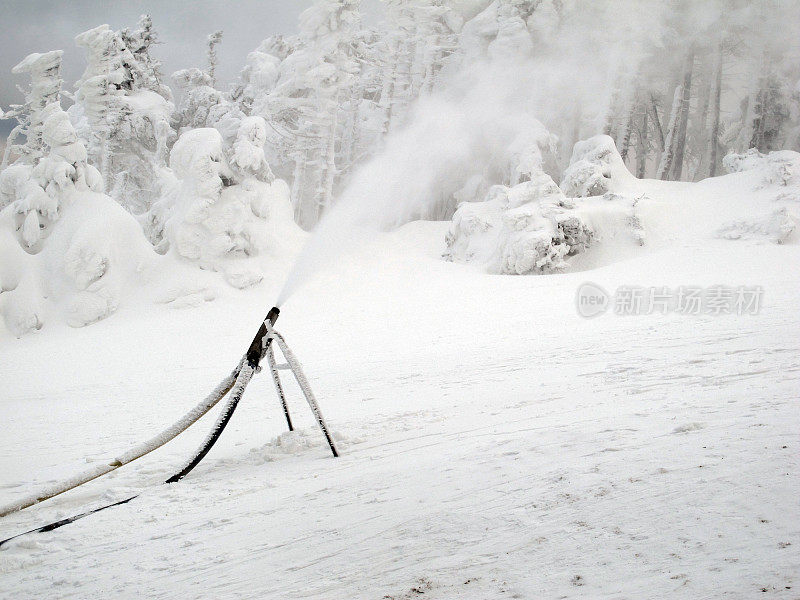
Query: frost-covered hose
point(242, 379)
point(145, 448)
point(245, 373)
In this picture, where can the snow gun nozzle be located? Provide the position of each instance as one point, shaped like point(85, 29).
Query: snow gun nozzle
point(259, 345)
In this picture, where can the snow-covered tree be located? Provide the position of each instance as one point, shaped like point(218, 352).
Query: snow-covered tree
point(418, 38)
point(37, 192)
point(247, 155)
point(307, 102)
point(147, 72)
point(202, 104)
point(212, 42)
point(226, 215)
point(123, 111)
point(44, 71)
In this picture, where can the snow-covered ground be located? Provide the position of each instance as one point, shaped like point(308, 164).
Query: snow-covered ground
point(494, 443)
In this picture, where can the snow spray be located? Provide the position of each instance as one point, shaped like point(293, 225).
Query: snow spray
point(476, 129)
point(398, 185)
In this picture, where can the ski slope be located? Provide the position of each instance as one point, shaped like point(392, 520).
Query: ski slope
point(494, 443)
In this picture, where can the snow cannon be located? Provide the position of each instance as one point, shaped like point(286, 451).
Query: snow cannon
point(259, 345)
point(233, 386)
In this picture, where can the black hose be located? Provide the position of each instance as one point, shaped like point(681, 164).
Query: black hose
point(245, 374)
point(68, 520)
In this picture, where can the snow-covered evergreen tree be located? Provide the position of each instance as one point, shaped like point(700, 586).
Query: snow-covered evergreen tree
point(123, 111)
point(202, 104)
point(44, 71)
point(147, 69)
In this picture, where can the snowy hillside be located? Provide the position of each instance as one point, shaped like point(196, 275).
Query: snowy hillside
point(494, 443)
point(538, 258)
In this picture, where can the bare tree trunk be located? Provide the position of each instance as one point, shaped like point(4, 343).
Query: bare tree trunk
point(641, 146)
point(683, 117)
point(566, 151)
point(657, 123)
point(741, 143)
point(104, 161)
point(667, 158)
point(610, 128)
point(330, 162)
point(759, 118)
point(715, 104)
point(298, 181)
point(626, 136)
point(388, 89)
point(700, 136)
point(657, 129)
point(402, 87)
point(431, 60)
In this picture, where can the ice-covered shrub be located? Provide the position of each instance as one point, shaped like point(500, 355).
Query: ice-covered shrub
point(219, 213)
point(778, 226)
point(780, 169)
point(776, 174)
point(528, 228)
point(594, 167)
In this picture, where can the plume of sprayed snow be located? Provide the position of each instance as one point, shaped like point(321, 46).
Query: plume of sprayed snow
point(486, 124)
point(485, 129)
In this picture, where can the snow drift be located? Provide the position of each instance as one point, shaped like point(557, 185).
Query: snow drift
point(777, 175)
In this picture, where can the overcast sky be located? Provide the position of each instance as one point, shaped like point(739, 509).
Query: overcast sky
point(182, 25)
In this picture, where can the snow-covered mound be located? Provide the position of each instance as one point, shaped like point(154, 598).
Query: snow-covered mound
point(95, 257)
point(533, 227)
point(777, 175)
point(781, 168)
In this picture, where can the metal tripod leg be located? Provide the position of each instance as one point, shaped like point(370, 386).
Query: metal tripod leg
point(273, 367)
point(297, 371)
